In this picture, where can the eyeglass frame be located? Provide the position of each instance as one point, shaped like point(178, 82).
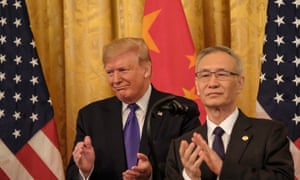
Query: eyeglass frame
point(219, 77)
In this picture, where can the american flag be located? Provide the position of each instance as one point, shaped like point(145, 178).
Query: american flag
point(279, 89)
point(28, 142)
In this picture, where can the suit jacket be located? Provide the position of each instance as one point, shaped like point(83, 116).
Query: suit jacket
point(258, 149)
point(102, 120)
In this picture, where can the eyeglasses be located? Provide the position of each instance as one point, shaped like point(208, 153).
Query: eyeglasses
point(222, 75)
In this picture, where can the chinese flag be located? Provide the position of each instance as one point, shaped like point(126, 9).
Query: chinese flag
point(167, 34)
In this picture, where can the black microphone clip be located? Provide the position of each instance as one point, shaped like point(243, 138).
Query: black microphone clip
point(175, 107)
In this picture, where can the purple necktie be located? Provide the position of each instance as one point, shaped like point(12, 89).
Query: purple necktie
point(218, 145)
point(132, 136)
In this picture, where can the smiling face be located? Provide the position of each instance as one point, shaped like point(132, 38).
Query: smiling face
point(219, 93)
point(128, 77)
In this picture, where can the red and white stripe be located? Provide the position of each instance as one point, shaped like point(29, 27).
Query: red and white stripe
point(40, 158)
point(294, 147)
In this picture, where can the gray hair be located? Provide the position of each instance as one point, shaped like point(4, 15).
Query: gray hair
point(209, 50)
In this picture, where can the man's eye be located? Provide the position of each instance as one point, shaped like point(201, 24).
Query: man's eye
point(222, 74)
point(123, 70)
point(109, 72)
point(205, 75)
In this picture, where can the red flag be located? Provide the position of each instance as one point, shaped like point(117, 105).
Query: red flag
point(29, 144)
point(167, 34)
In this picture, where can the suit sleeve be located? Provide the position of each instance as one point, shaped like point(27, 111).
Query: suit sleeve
point(173, 165)
point(72, 172)
point(276, 164)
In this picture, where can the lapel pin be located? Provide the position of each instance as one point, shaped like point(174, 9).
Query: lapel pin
point(159, 113)
point(245, 138)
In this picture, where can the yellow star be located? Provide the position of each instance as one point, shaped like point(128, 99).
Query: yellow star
point(190, 94)
point(148, 20)
point(192, 60)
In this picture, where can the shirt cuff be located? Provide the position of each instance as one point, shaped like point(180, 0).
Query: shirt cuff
point(185, 176)
point(88, 177)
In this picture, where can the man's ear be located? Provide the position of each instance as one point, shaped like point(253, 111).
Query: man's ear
point(196, 84)
point(241, 82)
point(148, 70)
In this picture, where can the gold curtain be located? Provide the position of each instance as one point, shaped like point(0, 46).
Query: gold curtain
point(70, 35)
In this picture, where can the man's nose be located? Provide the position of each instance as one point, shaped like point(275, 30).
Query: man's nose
point(213, 80)
point(116, 76)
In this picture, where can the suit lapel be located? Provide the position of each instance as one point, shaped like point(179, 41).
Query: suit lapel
point(115, 129)
point(155, 122)
point(240, 137)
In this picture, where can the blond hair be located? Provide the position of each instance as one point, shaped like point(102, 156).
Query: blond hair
point(120, 46)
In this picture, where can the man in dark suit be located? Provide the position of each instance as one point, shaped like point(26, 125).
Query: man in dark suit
point(99, 149)
point(246, 148)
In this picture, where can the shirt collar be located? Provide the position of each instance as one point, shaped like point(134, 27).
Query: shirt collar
point(226, 125)
point(142, 102)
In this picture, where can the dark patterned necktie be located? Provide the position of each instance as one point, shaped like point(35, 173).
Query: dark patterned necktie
point(218, 145)
point(132, 136)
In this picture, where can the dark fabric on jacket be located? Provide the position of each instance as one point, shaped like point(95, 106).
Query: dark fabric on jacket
point(102, 120)
point(264, 156)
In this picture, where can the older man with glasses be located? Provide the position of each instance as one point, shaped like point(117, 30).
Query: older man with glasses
point(230, 145)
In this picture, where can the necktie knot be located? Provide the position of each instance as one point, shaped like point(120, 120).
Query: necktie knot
point(218, 131)
point(133, 107)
